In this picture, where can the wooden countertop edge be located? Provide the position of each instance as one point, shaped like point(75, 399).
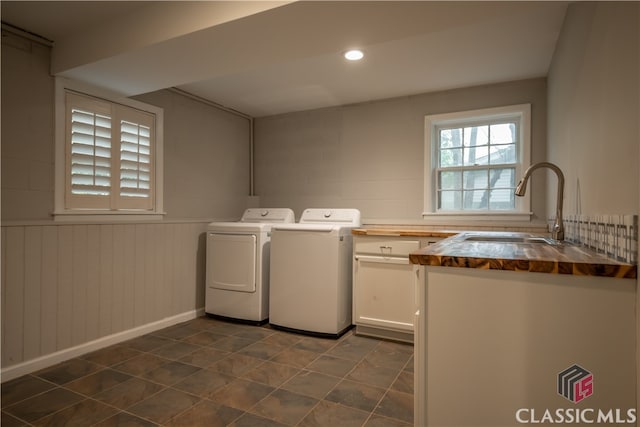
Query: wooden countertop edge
point(619, 271)
point(402, 232)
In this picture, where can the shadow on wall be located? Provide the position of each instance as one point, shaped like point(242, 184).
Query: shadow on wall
point(201, 270)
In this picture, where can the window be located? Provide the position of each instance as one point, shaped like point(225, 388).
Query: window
point(109, 155)
point(473, 161)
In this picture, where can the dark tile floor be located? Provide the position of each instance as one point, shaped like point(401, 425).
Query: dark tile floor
point(206, 372)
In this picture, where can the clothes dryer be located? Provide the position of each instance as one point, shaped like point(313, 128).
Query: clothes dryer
point(237, 267)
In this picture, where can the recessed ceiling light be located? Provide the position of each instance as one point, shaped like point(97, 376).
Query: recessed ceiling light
point(354, 55)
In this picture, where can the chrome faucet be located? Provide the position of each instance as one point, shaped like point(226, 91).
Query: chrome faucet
point(558, 227)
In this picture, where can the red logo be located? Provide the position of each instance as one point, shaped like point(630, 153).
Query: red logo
point(575, 383)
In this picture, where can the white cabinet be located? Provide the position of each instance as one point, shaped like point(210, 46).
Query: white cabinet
point(495, 342)
point(420, 356)
point(384, 299)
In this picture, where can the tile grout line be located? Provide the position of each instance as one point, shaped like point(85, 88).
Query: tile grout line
point(286, 381)
point(172, 333)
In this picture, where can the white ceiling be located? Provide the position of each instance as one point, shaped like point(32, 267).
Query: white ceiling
point(270, 57)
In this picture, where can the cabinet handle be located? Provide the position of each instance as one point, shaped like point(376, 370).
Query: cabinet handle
point(384, 248)
point(416, 289)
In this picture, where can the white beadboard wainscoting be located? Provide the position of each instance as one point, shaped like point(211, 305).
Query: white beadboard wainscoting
point(71, 289)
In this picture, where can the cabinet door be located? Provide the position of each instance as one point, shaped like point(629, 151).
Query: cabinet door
point(420, 349)
point(384, 293)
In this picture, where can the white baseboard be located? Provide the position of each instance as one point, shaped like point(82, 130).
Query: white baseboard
point(15, 371)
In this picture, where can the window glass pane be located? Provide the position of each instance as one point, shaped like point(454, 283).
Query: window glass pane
point(450, 180)
point(475, 199)
point(476, 135)
point(477, 159)
point(476, 179)
point(503, 178)
point(502, 199)
point(451, 157)
point(500, 154)
point(503, 133)
point(476, 155)
point(450, 138)
point(450, 200)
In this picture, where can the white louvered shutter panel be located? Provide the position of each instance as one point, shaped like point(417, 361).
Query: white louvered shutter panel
point(89, 154)
point(136, 166)
point(110, 156)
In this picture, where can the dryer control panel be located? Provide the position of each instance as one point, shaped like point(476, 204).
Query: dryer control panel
point(279, 215)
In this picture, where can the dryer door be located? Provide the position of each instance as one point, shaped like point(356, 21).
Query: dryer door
point(231, 262)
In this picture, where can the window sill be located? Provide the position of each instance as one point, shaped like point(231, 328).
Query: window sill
point(466, 217)
point(102, 216)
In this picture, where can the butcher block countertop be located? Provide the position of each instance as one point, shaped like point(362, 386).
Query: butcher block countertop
point(505, 251)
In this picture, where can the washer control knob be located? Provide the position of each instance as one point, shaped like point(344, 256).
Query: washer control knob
point(327, 214)
point(264, 213)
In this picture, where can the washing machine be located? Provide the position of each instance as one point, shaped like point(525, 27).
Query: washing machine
point(237, 267)
point(310, 284)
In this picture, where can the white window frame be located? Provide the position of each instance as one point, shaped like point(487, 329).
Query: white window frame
point(64, 211)
point(522, 113)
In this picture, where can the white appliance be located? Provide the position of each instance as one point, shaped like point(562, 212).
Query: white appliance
point(311, 272)
point(237, 277)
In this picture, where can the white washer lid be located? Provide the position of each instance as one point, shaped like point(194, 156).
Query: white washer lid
point(345, 217)
point(306, 227)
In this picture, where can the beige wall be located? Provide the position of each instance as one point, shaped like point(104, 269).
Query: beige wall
point(593, 108)
point(72, 288)
point(206, 158)
point(206, 150)
point(370, 156)
point(27, 130)
point(594, 113)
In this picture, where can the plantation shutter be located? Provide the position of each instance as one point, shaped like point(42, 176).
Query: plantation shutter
point(89, 159)
point(90, 153)
point(136, 160)
point(110, 155)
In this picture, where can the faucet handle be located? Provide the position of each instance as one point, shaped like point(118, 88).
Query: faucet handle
point(557, 232)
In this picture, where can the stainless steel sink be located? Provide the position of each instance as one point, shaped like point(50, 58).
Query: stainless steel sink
point(511, 239)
